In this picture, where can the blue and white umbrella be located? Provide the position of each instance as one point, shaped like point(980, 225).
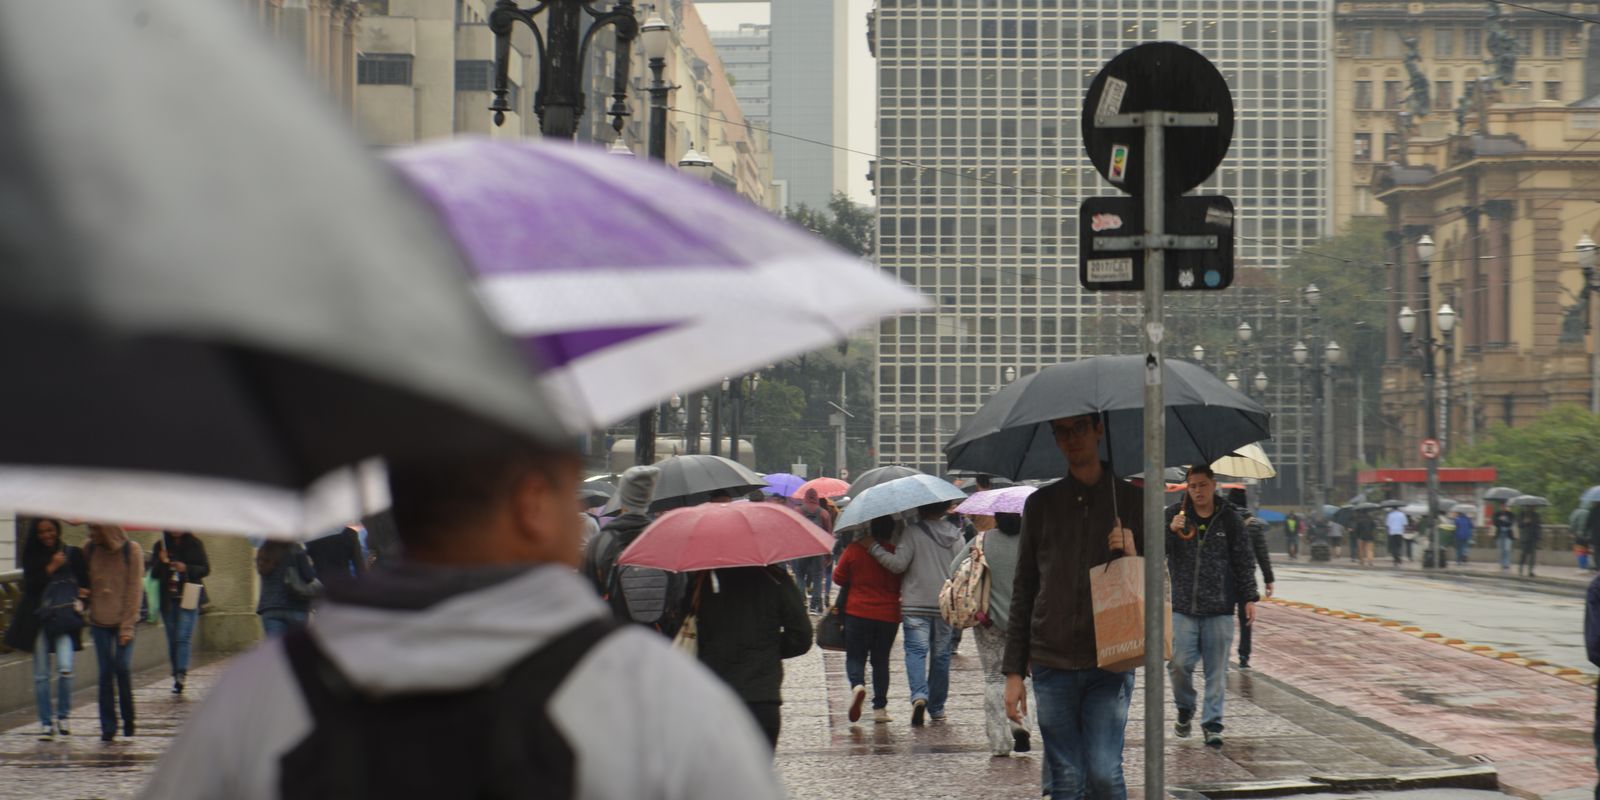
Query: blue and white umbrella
point(1590, 496)
point(900, 494)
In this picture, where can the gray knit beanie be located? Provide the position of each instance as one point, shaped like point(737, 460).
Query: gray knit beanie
point(637, 488)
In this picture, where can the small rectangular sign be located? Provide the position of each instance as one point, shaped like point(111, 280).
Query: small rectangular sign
point(1119, 163)
point(1111, 97)
point(1110, 270)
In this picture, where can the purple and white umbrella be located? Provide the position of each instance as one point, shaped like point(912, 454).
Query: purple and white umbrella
point(997, 501)
point(626, 281)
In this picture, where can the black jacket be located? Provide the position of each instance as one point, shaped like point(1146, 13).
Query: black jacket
point(1214, 571)
point(188, 550)
point(24, 628)
point(609, 543)
point(1258, 544)
point(756, 620)
point(337, 555)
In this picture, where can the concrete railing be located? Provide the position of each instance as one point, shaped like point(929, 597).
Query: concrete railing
point(10, 598)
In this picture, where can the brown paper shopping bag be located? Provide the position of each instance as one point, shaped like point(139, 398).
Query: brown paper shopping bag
point(1117, 589)
point(191, 597)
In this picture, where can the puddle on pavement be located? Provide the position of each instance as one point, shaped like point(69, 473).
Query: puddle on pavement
point(1465, 704)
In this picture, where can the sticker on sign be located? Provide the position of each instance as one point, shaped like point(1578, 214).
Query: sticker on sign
point(1119, 163)
point(1110, 270)
point(1111, 98)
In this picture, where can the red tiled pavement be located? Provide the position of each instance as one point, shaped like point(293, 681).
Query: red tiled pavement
point(1536, 729)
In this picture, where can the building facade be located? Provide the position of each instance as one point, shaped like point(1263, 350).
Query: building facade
point(747, 55)
point(1505, 203)
point(809, 90)
point(980, 173)
point(1386, 52)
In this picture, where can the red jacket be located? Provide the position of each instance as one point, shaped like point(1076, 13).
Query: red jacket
point(874, 591)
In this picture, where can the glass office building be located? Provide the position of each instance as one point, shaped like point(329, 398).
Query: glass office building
point(980, 172)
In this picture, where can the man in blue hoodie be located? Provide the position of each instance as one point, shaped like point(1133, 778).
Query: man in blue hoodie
point(923, 555)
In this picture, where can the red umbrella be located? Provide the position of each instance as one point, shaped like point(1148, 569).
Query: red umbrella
point(721, 535)
point(826, 487)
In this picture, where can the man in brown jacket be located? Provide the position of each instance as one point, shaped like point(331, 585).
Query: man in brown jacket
point(1068, 527)
point(116, 582)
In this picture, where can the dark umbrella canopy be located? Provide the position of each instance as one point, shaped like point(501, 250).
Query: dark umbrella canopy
point(690, 480)
point(1502, 493)
point(596, 493)
point(877, 475)
point(223, 289)
point(1010, 435)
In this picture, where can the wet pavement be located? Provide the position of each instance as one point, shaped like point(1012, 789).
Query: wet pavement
point(1536, 621)
point(82, 766)
point(1274, 733)
point(1534, 728)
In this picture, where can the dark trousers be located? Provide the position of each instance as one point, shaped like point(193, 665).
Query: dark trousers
point(1244, 636)
point(116, 662)
point(769, 718)
point(1292, 542)
point(869, 639)
point(808, 572)
point(1395, 543)
point(1529, 558)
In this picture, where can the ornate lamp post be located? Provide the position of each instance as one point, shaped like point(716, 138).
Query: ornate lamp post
point(1261, 382)
point(1427, 346)
point(1199, 354)
point(1586, 259)
point(1232, 380)
point(1302, 354)
point(562, 47)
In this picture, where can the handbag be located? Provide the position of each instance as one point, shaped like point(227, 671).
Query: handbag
point(687, 639)
point(830, 629)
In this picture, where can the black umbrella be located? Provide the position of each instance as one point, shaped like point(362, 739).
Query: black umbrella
point(877, 475)
point(690, 480)
point(1346, 516)
point(216, 304)
point(1528, 501)
point(1010, 435)
point(1502, 493)
point(595, 493)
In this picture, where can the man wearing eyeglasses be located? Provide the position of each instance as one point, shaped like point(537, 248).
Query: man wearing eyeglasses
point(1068, 527)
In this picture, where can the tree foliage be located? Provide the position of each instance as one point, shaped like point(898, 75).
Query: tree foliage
point(790, 413)
point(845, 223)
point(1557, 456)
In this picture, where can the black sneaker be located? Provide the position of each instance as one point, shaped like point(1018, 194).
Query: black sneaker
point(177, 682)
point(127, 728)
point(1213, 738)
point(918, 709)
point(1021, 740)
point(61, 728)
point(1244, 663)
point(1183, 727)
point(108, 736)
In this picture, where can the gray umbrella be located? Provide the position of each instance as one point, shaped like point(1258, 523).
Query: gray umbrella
point(893, 497)
point(1392, 504)
point(877, 475)
point(1010, 435)
point(1528, 501)
point(1463, 508)
point(1501, 493)
point(691, 480)
point(212, 288)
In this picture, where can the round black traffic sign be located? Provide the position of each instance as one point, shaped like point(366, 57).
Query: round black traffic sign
point(1159, 76)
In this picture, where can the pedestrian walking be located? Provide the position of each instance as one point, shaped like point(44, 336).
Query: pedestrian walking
point(811, 572)
point(1212, 571)
point(922, 555)
point(1505, 533)
point(1365, 531)
point(116, 584)
point(1257, 531)
point(1463, 531)
point(180, 563)
point(48, 619)
point(1292, 527)
point(1395, 523)
point(640, 595)
point(289, 584)
point(1528, 529)
point(1591, 643)
point(1336, 536)
point(749, 619)
point(1068, 527)
point(999, 539)
point(480, 661)
point(871, 617)
point(338, 555)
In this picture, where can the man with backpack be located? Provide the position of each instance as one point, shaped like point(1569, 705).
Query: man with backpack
point(116, 585)
point(479, 665)
point(640, 595)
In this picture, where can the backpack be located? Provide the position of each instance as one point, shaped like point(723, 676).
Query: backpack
point(60, 611)
point(498, 740)
point(640, 594)
point(964, 599)
point(817, 517)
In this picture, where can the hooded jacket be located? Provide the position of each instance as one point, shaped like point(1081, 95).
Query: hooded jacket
point(643, 720)
point(1215, 570)
point(922, 555)
point(116, 583)
point(754, 620)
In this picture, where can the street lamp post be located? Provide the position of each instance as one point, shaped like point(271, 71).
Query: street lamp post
point(1332, 356)
point(1302, 354)
point(1427, 346)
point(1233, 381)
point(563, 46)
point(1586, 259)
point(1199, 353)
point(657, 36)
point(1243, 334)
point(716, 416)
point(739, 393)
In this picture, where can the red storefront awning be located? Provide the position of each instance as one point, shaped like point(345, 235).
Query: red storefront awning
point(1420, 476)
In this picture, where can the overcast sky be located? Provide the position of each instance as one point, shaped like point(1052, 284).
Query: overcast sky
point(863, 85)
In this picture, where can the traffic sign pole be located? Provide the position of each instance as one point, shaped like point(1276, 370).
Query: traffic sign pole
point(1155, 446)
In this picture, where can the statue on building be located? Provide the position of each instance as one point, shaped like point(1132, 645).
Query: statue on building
point(1419, 101)
point(1574, 321)
point(1502, 46)
point(1469, 97)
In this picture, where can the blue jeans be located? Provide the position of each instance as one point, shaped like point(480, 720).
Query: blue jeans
point(1196, 641)
point(1461, 550)
point(1083, 717)
point(927, 646)
point(278, 621)
point(179, 623)
point(808, 572)
point(1504, 542)
point(116, 662)
point(62, 647)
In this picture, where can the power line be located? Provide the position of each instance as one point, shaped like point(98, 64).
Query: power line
point(1560, 14)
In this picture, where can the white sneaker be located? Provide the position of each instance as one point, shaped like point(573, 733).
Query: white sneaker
point(47, 732)
point(858, 696)
point(880, 715)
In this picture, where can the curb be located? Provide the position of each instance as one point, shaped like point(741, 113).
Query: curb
point(1564, 673)
point(1536, 583)
point(1482, 778)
